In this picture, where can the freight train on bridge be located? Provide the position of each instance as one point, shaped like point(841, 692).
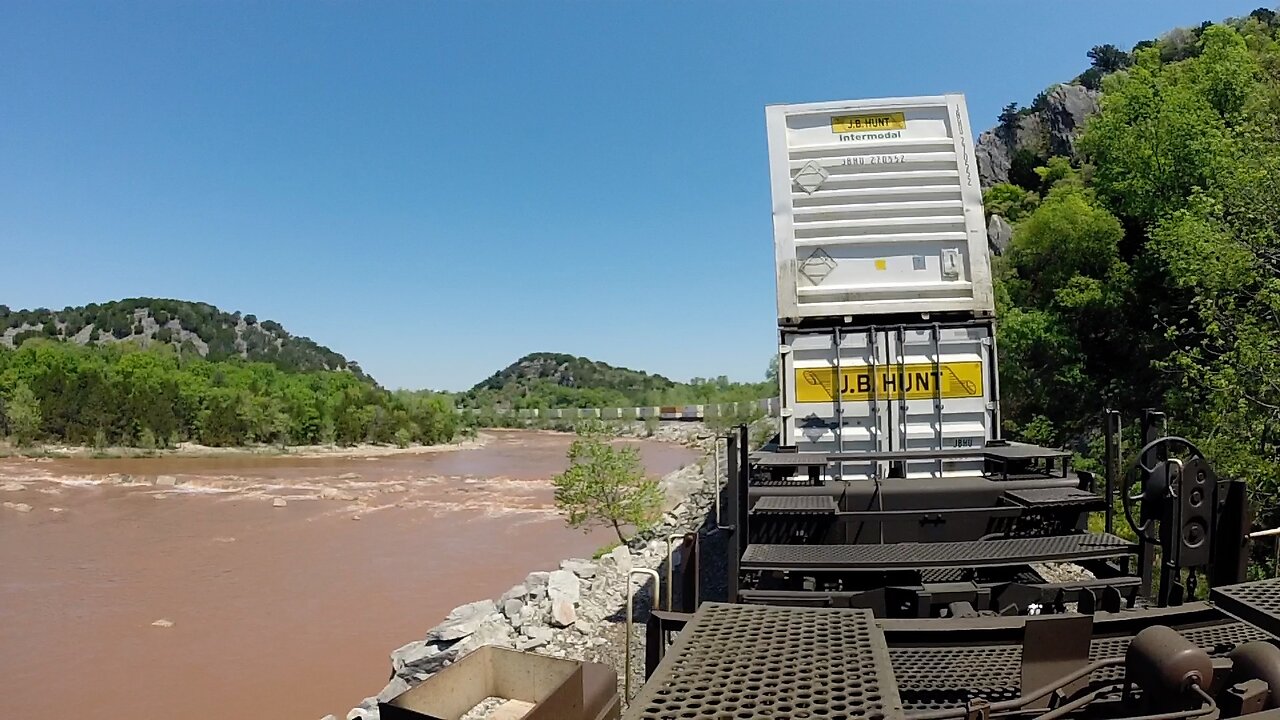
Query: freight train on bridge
point(890, 555)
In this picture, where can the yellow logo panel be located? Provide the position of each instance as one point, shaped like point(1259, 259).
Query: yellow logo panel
point(868, 123)
point(914, 382)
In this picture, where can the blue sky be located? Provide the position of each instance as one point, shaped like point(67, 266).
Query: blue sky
point(436, 188)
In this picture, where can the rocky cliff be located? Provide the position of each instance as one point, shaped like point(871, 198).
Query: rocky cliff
point(1011, 151)
point(1051, 128)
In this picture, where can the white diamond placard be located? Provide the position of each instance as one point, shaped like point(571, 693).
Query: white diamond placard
point(817, 266)
point(811, 176)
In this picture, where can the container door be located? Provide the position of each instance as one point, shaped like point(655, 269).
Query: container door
point(941, 393)
point(830, 404)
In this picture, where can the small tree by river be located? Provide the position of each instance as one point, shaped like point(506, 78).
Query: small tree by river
point(606, 485)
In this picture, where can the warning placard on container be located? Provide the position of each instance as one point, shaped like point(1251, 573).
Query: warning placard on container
point(914, 382)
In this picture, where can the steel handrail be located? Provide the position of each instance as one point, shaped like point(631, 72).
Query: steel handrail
point(1275, 533)
point(671, 569)
point(631, 594)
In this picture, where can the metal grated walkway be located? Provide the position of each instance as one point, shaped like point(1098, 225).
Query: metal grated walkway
point(1256, 602)
point(794, 505)
point(1055, 498)
point(933, 678)
point(741, 661)
point(928, 556)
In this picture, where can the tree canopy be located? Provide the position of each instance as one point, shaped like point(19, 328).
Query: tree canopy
point(1147, 273)
point(123, 394)
point(606, 485)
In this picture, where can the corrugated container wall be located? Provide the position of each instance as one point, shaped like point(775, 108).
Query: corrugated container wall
point(877, 210)
point(893, 387)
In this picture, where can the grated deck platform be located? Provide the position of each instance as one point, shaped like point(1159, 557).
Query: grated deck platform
point(928, 556)
point(1256, 602)
point(736, 661)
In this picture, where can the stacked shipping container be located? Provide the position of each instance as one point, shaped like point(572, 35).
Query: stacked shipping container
point(885, 303)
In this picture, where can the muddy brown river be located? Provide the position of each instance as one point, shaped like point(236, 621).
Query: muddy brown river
point(121, 598)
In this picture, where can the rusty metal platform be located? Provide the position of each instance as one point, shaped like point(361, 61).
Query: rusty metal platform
point(1256, 602)
point(928, 556)
point(734, 661)
point(795, 505)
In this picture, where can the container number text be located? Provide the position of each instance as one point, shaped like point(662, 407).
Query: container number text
point(873, 160)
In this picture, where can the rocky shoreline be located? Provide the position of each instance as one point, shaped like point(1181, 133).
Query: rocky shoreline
point(577, 610)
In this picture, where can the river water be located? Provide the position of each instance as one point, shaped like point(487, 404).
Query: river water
point(120, 598)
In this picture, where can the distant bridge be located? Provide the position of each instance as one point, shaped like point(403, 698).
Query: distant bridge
point(769, 407)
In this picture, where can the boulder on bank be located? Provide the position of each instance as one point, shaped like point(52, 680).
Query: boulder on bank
point(418, 656)
point(463, 621)
point(563, 584)
point(562, 612)
point(511, 608)
point(584, 569)
point(536, 584)
point(394, 688)
point(621, 557)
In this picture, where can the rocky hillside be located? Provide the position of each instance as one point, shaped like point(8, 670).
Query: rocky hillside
point(192, 327)
point(559, 380)
point(556, 380)
point(1011, 151)
point(1027, 137)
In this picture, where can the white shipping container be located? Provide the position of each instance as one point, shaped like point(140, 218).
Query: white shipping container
point(877, 209)
point(887, 388)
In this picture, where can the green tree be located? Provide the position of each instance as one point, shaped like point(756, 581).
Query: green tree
point(1009, 118)
point(403, 437)
point(1162, 134)
point(22, 413)
point(1009, 201)
point(606, 485)
point(1108, 58)
point(1150, 274)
